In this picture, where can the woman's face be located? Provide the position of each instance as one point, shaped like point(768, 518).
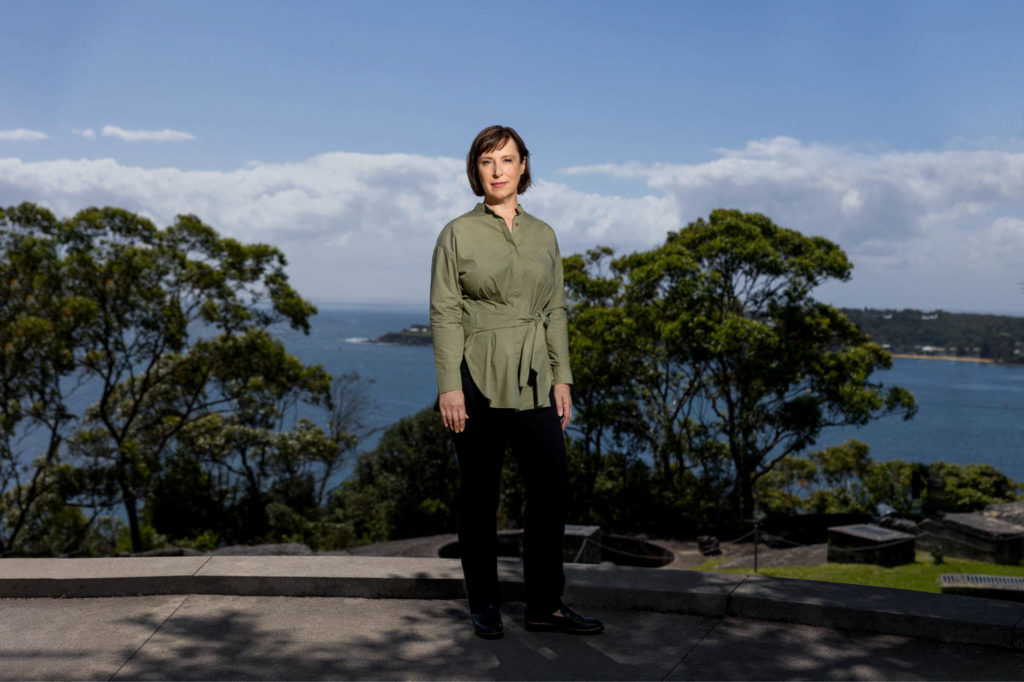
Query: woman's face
point(500, 170)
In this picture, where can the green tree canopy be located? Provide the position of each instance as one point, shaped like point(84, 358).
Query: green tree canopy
point(168, 330)
point(723, 363)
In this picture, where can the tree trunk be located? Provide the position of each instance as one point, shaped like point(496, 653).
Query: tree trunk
point(743, 492)
point(133, 518)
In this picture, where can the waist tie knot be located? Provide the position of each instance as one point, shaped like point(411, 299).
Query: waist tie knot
point(534, 353)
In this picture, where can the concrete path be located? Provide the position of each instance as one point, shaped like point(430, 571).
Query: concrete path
point(230, 637)
point(277, 618)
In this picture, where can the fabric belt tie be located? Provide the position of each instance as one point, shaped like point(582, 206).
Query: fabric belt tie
point(534, 354)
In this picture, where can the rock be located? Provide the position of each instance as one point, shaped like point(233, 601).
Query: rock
point(171, 551)
point(708, 545)
point(1012, 512)
point(900, 524)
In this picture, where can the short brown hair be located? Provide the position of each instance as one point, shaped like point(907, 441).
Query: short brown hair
point(489, 139)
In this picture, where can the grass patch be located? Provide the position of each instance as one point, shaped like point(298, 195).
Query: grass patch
point(922, 575)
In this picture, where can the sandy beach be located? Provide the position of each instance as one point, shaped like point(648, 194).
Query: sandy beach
point(952, 358)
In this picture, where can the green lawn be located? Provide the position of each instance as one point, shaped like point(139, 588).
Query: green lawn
point(921, 575)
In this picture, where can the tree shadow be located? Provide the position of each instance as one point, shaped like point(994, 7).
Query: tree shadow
point(231, 637)
point(741, 649)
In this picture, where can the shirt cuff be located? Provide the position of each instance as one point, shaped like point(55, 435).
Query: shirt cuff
point(449, 382)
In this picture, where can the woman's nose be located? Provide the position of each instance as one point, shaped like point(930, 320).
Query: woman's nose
point(495, 170)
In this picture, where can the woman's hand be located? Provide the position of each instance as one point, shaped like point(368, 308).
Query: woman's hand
point(563, 404)
point(453, 410)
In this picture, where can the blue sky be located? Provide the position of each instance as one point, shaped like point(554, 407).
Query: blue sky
point(336, 130)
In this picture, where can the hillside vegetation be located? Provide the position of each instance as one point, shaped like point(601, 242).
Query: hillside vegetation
point(969, 335)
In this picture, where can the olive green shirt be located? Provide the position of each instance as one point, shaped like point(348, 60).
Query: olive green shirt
point(497, 299)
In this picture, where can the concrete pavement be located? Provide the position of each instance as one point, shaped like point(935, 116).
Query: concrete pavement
point(386, 618)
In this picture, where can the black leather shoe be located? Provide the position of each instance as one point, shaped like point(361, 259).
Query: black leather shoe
point(487, 622)
point(569, 621)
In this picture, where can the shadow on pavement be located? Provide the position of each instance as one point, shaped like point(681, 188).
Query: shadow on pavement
point(232, 637)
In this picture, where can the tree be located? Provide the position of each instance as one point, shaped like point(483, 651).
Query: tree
point(405, 487)
point(602, 361)
point(730, 363)
point(843, 478)
point(41, 325)
point(166, 328)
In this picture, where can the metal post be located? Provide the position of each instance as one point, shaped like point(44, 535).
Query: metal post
point(756, 539)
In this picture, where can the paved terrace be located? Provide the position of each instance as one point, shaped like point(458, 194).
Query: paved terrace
point(353, 617)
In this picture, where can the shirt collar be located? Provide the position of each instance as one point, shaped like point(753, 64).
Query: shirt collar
point(483, 208)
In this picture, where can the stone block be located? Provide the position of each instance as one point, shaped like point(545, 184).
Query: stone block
point(974, 536)
point(582, 544)
point(866, 544)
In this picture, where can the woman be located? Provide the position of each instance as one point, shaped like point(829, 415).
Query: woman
point(501, 351)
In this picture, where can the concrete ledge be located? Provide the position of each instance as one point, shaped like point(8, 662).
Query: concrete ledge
point(950, 618)
point(650, 589)
point(98, 577)
point(880, 610)
point(370, 577)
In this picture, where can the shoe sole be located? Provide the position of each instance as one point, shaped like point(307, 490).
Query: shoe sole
point(551, 627)
point(489, 635)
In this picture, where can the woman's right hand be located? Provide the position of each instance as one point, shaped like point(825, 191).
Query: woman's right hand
point(453, 410)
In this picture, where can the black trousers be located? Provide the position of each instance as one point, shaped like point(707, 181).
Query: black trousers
point(539, 448)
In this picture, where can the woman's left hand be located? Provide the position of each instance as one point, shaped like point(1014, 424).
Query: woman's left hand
point(563, 404)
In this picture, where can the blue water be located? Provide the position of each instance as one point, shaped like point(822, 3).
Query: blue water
point(403, 376)
point(967, 412)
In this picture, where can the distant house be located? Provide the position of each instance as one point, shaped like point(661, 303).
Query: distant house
point(419, 328)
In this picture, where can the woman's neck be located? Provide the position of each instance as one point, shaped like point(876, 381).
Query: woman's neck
point(506, 209)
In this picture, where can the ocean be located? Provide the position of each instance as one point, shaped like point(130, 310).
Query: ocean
point(968, 412)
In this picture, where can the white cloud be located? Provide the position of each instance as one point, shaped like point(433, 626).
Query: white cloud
point(87, 133)
point(22, 135)
point(354, 226)
point(920, 226)
point(1008, 233)
point(927, 229)
point(165, 135)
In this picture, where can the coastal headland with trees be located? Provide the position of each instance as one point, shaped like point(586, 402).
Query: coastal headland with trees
point(942, 334)
point(704, 373)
